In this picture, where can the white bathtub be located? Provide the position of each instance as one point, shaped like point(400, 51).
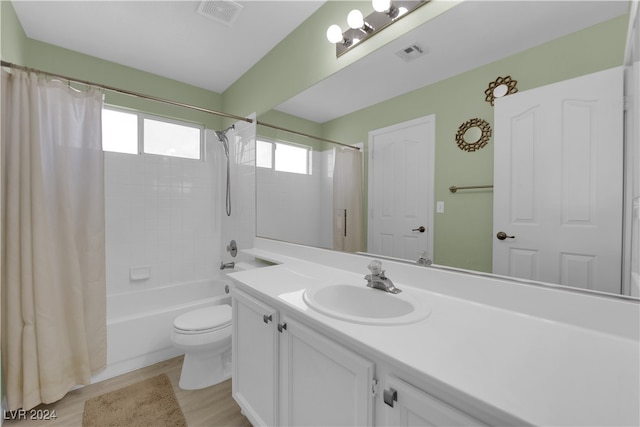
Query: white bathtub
point(139, 323)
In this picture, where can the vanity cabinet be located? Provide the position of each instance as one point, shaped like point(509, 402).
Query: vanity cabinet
point(322, 382)
point(288, 374)
point(406, 405)
point(255, 359)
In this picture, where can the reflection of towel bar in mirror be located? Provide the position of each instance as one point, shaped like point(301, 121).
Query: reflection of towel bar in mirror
point(453, 188)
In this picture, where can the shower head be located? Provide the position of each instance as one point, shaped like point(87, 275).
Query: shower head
point(222, 137)
point(225, 142)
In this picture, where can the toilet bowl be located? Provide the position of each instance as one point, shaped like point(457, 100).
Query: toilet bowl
point(205, 337)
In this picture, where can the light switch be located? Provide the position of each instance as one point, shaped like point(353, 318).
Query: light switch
point(440, 207)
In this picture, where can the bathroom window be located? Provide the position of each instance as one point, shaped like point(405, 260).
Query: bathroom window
point(119, 131)
point(283, 157)
point(135, 133)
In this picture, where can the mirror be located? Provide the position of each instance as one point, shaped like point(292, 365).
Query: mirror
point(502, 86)
point(463, 233)
point(500, 91)
point(473, 135)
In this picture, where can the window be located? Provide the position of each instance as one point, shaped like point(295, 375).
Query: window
point(119, 131)
point(283, 157)
point(134, 133)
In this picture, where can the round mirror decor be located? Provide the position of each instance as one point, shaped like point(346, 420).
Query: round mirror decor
point(502, 86)
point(473, 134)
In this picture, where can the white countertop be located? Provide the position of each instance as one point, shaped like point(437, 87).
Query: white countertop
point(536, 369)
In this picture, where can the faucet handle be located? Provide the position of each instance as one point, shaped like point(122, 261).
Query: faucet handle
point(375, 267)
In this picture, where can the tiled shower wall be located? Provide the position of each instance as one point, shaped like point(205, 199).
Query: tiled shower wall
point(162, 218)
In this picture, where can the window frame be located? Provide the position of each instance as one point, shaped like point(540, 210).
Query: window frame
point(141, 116)
point(308, 149)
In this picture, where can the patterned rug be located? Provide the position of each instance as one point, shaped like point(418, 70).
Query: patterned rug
point(151, 402)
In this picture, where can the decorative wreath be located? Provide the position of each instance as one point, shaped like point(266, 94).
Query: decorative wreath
point(485, 129)
point(510, 87)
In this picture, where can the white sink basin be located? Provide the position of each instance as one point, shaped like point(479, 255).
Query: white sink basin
point(361, 304)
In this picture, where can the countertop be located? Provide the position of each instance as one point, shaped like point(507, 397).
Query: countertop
point(525, 368)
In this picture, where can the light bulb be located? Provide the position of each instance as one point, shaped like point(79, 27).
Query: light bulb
point(334, 34)
point(381, 5)
point(355, 19)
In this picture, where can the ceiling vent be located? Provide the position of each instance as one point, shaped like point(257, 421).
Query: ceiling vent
point(411, 52)
point(225, 11)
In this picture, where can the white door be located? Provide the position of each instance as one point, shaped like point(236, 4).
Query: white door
point(401, 171)
point(558, 183)
point(322, 383)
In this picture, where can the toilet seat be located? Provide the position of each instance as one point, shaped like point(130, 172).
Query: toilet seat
point(203, 320)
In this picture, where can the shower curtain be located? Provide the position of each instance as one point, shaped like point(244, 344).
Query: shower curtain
point(347, 200)
point(53, 263)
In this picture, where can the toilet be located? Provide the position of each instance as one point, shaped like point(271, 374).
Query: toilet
point(205, 337)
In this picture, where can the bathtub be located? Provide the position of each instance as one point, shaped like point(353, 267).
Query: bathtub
point(139, 323)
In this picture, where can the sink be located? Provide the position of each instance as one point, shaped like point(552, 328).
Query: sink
point(361, 304)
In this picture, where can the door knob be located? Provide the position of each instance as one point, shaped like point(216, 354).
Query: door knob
point(502, 235)
point(420, 229)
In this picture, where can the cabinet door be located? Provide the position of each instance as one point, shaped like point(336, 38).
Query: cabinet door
point(255, 359)
point(322, 383)
point(406, 405)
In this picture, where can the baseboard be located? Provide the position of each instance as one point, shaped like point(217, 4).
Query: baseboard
point(135, 363)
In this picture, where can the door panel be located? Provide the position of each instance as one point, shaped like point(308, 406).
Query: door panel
point(322, 382)
point(401, 170)
point(558, 183)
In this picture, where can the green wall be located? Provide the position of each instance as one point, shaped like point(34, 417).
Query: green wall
point(12, 38)
point(463, 233)
point(288, 121)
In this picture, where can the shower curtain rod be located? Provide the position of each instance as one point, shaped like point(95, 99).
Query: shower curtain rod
point(167, 101)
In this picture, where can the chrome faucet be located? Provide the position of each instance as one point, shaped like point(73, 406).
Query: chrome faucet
point(224, 265)
point(378, 280)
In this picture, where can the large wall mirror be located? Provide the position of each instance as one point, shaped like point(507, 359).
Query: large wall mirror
point(446, 85)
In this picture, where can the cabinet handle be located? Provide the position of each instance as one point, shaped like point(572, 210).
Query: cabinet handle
point(390, 396)
point(266, 318)
point(282, 326)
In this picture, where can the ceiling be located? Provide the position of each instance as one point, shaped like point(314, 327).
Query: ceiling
point(171, 39)
point(167, 38)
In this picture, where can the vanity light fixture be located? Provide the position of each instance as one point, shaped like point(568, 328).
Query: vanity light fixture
point(355, 20)
point(386, 12)
point(386, 7)
point(334, 35)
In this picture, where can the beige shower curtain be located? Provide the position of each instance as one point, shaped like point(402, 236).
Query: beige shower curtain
point(347, 201)
point(53, 257)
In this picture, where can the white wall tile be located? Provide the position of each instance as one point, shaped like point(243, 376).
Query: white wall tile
point(161, 212)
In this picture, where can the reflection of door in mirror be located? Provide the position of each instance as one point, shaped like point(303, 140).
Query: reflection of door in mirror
point(558, 182)
point(401, 171)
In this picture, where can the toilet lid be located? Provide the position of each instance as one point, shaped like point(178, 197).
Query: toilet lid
point(208, 318)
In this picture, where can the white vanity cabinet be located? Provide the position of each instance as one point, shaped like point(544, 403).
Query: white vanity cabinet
point(287, 374)
point(284, 373)
point(255, 359)
point(321, 381)
point(406, 405)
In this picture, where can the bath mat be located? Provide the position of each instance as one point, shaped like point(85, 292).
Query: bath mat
point(151, 402)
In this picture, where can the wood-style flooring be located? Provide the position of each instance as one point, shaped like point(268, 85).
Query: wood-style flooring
point(211, 406)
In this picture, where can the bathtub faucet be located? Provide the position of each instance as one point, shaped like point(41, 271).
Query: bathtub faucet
point(224, 265)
